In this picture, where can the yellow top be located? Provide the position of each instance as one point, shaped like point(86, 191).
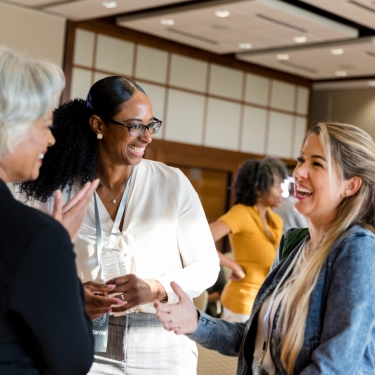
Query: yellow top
point(253, 249)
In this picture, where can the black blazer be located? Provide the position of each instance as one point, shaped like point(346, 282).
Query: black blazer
point(44, 328)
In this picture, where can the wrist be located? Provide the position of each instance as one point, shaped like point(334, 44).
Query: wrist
point(157, 290)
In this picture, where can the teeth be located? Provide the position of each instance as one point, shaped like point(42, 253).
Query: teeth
point(41, 156)
point(137, 149)
point(302, 190)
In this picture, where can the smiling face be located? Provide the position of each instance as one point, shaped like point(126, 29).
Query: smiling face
point(118, 146)
point(26, 159)
point(317, 195)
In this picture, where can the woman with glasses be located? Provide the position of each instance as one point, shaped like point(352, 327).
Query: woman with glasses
point(254, 231)
point(160, 232)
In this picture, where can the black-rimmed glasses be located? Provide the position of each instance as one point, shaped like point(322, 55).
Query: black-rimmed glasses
point(135, 130)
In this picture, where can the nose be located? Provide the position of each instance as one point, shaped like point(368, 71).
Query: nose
point(146, 136)
point(300, 172)
point(51, 139)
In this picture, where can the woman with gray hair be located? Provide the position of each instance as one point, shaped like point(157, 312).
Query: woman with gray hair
point(43, 324)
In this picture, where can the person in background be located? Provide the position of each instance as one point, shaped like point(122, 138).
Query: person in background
point(44, 328)
point(163, 232)
point(315, 312)
point(291, 217)
point(254, 232)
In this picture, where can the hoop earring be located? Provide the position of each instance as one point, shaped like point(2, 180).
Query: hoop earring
point(99, 136)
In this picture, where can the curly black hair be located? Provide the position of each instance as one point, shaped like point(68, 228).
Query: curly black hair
point(75, 156)
point(255, 177)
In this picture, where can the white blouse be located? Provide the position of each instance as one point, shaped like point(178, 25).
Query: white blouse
point(165, 230)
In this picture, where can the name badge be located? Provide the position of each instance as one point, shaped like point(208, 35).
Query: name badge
point(100, 332)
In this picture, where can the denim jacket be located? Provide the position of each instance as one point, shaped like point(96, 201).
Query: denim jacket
point(340, 327)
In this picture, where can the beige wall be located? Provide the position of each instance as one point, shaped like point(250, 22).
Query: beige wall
point(201, 103)
point(39, 34)
point(355, 107)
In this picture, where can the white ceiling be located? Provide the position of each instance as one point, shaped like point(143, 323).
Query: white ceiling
point(317, 62)
point(262, 23)
point(268, 25)
point(80, 10)
point(360, 11)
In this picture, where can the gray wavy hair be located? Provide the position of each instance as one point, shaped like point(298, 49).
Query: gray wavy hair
point(29, 89)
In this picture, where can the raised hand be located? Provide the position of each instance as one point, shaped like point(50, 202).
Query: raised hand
point(97, 299)
point(181, 317)
point(71, 214)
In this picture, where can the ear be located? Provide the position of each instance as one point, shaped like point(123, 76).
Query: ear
point(352, 186)
point(97, 124)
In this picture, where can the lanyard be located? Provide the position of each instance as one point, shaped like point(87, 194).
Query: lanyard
point(267, 316)
point(116, 224)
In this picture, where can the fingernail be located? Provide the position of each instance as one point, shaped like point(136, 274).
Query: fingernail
point(121, 303)
point(58, 194)
point(111, 286)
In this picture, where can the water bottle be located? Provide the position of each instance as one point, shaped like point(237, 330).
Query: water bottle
point(113, 263)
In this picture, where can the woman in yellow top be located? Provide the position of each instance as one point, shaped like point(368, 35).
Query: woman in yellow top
point(254, 233)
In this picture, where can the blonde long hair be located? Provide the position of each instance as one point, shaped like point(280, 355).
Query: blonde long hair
point(351, 152)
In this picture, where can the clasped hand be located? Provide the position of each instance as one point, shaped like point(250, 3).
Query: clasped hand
point(120, 294)
point(136, 291)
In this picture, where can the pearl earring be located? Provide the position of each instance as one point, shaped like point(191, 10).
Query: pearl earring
point(99, 136)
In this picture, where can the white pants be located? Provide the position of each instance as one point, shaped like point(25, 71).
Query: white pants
point(139, 345)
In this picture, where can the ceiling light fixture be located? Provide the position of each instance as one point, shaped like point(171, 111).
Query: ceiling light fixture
point(341, 73)
point(167, 22)
point(371, 83)
point(245, 45)
point(109, 4)
point(300, 39)
point(282, 56)
point(222, 13)
point(337, 51)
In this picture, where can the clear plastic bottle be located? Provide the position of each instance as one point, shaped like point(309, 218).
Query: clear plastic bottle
point(113, 263)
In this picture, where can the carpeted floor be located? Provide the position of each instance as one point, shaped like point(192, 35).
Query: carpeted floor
point(213, 363)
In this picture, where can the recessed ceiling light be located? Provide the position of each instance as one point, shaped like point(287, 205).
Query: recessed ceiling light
point(282, 56)
point(109, 4)
point(245, 45)
point(222, 13)
point(337, 51)
point(300, 39)
point(341, 73)
point(371, 83)
point(167, 22)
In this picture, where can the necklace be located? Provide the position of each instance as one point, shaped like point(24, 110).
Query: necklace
point(114, 199)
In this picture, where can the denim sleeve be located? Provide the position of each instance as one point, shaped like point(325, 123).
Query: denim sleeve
point(346, 341)
point(219, 335)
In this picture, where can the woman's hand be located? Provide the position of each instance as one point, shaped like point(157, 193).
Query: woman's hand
point(237, 272)
point(181, 317)
point(136, 291)
point(71, 214)
point(97, 300)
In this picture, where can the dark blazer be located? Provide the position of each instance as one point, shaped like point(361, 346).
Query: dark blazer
point(44, 328)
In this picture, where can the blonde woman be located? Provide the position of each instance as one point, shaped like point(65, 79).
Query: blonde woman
point(315, 312)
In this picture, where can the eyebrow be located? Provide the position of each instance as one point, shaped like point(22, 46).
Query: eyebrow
point(137, 119)
point(316, 156)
